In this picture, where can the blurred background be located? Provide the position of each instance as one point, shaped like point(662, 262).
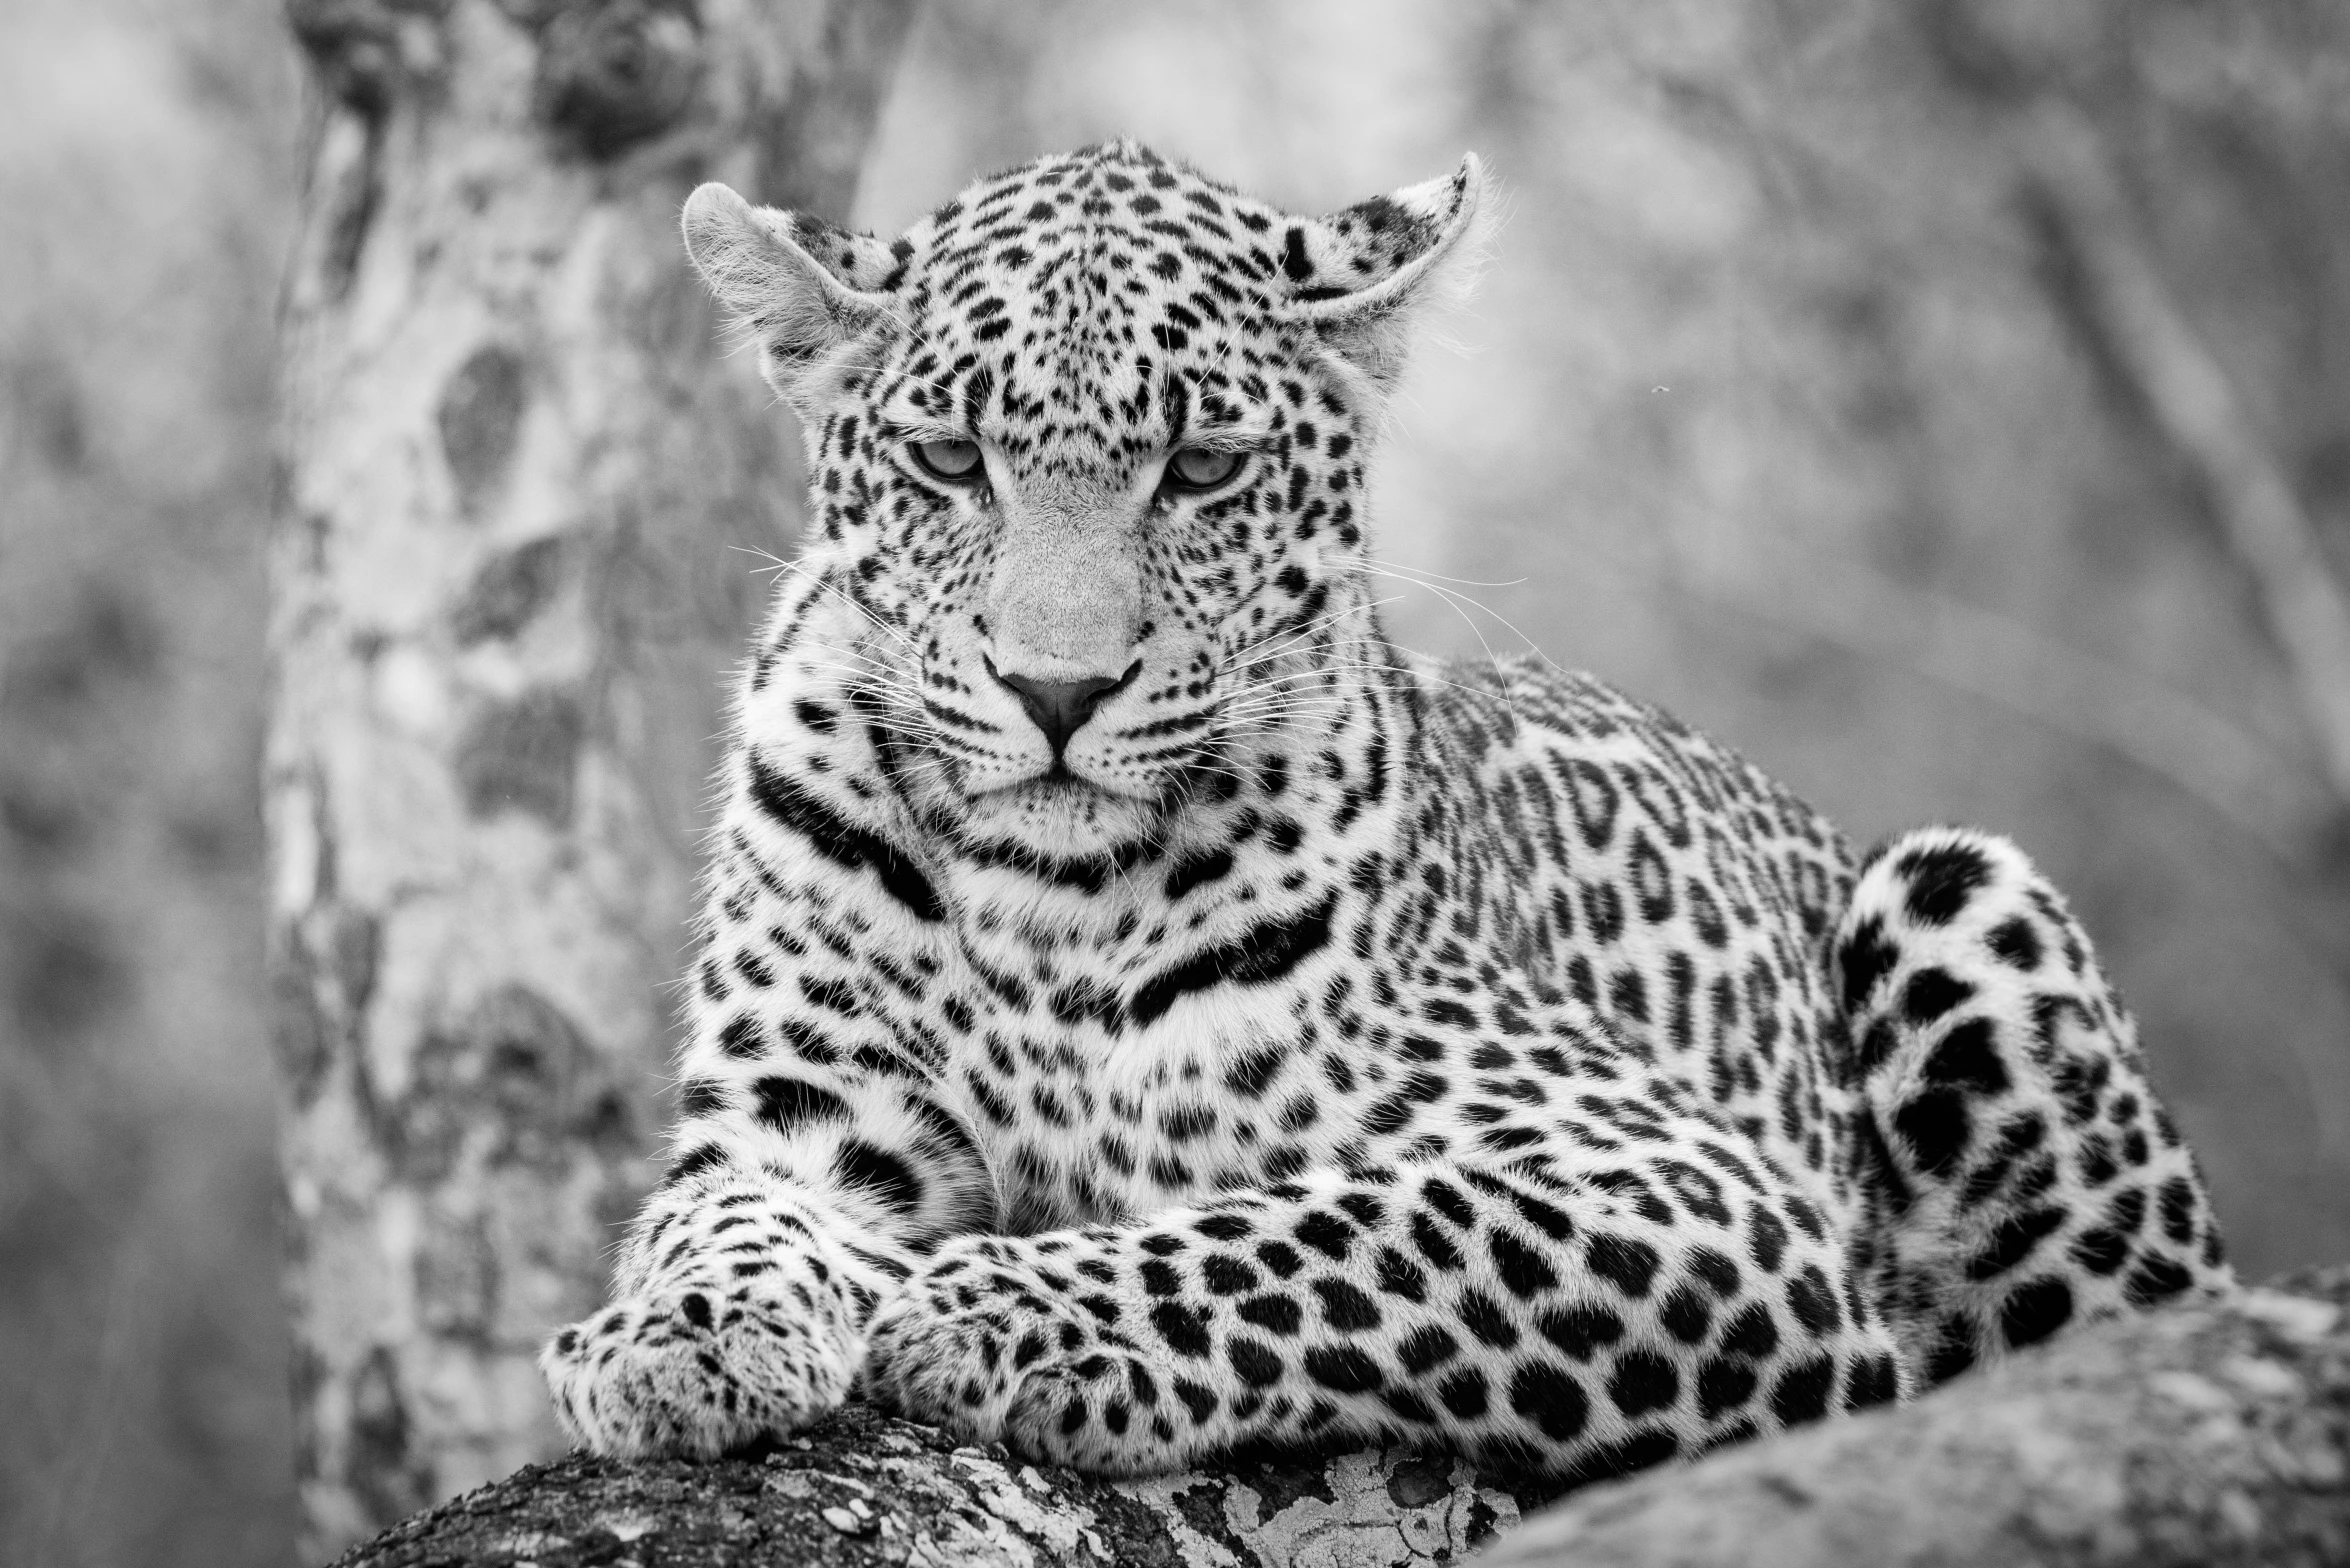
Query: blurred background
point(1844, 381)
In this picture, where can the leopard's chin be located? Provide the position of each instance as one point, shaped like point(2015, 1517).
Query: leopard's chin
point(1061, 816)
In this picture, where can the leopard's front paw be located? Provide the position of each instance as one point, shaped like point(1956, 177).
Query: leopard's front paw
point(996, 1344)
point(693, 1369)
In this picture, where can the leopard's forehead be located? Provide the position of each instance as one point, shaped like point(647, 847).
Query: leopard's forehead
point(1077, 226)
point(1108, 296)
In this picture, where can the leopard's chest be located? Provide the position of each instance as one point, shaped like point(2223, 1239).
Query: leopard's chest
point(1091, 1104)
point(1108, 1084)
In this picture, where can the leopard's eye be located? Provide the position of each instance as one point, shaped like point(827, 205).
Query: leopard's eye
point(1201, 468)
point(956, 462)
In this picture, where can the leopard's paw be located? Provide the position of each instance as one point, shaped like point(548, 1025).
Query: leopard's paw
point(996, 1345)
point(694, 1369)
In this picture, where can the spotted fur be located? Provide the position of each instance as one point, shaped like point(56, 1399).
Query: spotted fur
point(1142, 1012)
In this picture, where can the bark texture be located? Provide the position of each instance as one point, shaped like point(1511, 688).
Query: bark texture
point(2207, 1435)
point(508, 566)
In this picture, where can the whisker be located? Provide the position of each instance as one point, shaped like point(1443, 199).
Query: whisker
point(1274, 646)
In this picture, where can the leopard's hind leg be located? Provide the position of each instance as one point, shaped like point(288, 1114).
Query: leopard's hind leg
point(2025, 1176)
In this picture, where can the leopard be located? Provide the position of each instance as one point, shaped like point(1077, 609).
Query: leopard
point(1141, 1015)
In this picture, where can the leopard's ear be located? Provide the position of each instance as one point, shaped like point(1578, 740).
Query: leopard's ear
point(802, 289)
point(1363, 276)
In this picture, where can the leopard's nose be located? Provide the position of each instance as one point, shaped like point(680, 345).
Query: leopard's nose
point(1060, 708)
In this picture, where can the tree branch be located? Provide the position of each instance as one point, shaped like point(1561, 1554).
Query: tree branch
point(2215, 1434)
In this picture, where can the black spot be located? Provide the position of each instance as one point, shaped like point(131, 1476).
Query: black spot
point(1547, 1396)
point(1196, 1399)
point(1256, 1363)
point(2156, 1279)
point(1723, 1384)
point(1343, 1368)
point(1249, 1076)
point(1347, 1309)
point(742, 1038)
point(1875, 1046)
point(693, 1164)
point(2127, 1211)
point(1263, 953)
point(1185, 1332)
point(1293, 256)
point(1447, 1201)
point(1935, 1126)
point(841, 841)
point(2100, 1251)
point(1686, 1315)
point(1941, 881)
point(1425, 1347)
point(2013, 1242)
point(1522, 1270)
point(1622, 1261)
point(860, 1164)
point(1275, 1312)
point(1802, 1394)
point(1643, 1381)
point(1325, 1233)
point(2178, 1210)
point(1581, 1331)
point(1400, 1276)
point(1434, 1244)
point(1717, 1269)
point(1551, 1221)
point(2014, 943)
point(1752, 1332)
point(1279, 1256)
point(1482, 1318)
point(1463, 1393)
point(1767, 1243)
point(784, 1103)
point(1870, 1380)
point(1866, 957)
point(1813, 1302)
point(1195, 870)
point(1408, 1405)
point(1226, 1276)
point(696, 1308)
point(1931, 992)
point(1968, 1058)
point(2037, 1309)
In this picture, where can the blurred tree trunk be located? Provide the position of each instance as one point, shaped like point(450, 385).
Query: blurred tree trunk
point(503, 596)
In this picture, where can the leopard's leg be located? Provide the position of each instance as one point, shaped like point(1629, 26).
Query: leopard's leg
point(817, 1153)
point(805, 1185)
point(2028, 1177)
point(1586, 1305)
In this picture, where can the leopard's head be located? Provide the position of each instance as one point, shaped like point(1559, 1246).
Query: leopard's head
point(1086, 451)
